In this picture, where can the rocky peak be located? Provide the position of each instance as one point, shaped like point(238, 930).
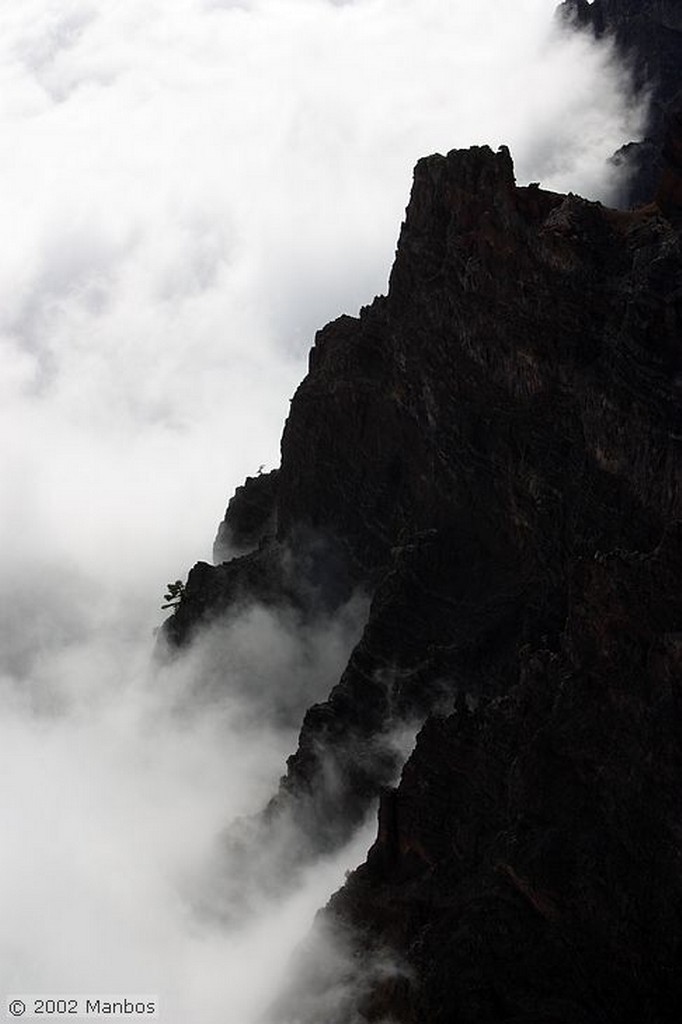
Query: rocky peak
point(509, 407)
point(493, 451)
point(250, 518)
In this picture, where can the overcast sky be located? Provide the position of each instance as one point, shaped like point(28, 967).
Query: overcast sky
point(188, 190)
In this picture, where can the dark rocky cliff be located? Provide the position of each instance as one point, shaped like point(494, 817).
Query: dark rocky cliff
point(494, 451)
point(528, 867)
point(519, 388)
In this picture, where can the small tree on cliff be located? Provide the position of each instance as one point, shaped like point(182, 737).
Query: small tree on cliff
point(174, 595)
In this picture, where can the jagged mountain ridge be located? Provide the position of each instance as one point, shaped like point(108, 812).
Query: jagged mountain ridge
point(520, 374)
point(528, 865)
point(493, 451)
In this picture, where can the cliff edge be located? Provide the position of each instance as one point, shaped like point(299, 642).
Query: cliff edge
point(493, 451)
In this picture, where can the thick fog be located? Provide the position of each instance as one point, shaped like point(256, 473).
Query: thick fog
point(188, 190)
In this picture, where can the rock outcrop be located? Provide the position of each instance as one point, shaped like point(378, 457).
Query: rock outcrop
point(511, 405)
point(250, 517)
point(529, 865)
point(493, 451)
point(523, 376)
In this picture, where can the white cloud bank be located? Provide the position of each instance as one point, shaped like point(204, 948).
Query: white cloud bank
point(188, 189)
point(115, 799)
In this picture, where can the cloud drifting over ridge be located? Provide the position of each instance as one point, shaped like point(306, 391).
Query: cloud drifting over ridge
point(188, 189)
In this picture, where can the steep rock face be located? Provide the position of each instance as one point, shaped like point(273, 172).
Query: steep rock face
point(518, 393)
point(648, 34)
point(510, 406)
point(511, 314)
point(529, 866)
point(494, 451)
point(251, 517)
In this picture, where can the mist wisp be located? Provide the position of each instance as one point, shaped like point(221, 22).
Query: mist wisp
point(116, 801)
